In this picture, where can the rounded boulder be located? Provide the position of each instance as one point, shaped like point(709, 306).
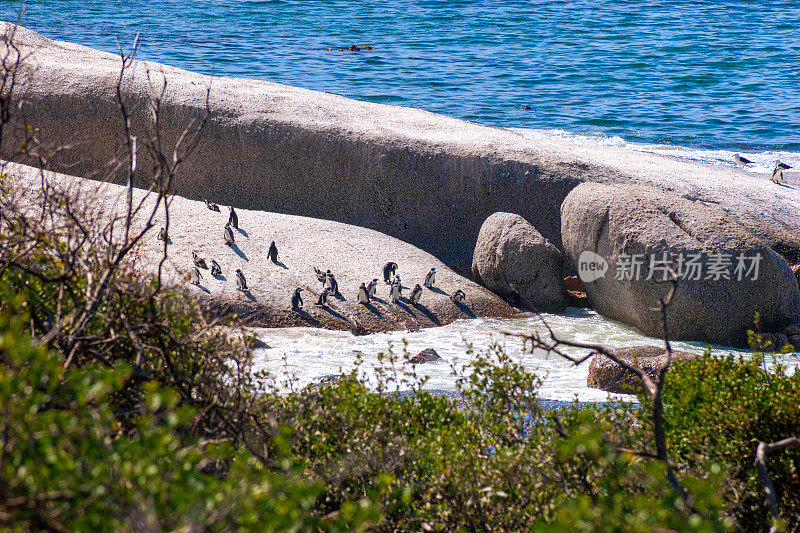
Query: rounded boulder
point(514, 261)
point(621, 239)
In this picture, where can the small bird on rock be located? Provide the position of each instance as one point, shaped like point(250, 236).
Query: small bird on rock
point(372, 288)
point(273, 252)
point(196, 276)
point(229, 240)
point(777, 174)
point(211, 206)
point(162, 235)
point(396, 290)
point(322, 301)
point(739, 160)
point(321, 276)
point(216, 270)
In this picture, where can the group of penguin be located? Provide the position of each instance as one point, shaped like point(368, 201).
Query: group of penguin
point(777, 172)
point(367, 291)
point(329, 284)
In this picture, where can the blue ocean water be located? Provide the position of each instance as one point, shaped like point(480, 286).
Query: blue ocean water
point(713, 76)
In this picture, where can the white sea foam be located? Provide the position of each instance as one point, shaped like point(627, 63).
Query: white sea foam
point(763, 162)
point(307, 354)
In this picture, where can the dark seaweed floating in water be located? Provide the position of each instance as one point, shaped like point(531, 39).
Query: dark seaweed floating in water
point(351, 48)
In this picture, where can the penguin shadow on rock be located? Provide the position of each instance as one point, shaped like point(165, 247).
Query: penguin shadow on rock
point(437, 290)
point(305, 316)
point(428, 314)
point(402, 304)
point(335, 313)
point(372, 309)
point(238, 251)
point(202, 288)
point(249, 295)
point(243, 232)
point(280, 264)
point(464, 308)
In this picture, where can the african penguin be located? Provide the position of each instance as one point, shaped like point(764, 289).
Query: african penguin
point(199, 261)
point(321, 277)
point(241, 283)
point(416, 294)
point(388, 271)
point(162, 235)
point(273, 252)
point(372, 288)
point(229, 240)
point(322, 301)
point(211, 206)
point(195, 276)
point(458, 297)
point(216, 270)
point(233, 218)
point(430, 278)
point(297, 300)
point(396, 290)
point(331, 283)
point(363, 294)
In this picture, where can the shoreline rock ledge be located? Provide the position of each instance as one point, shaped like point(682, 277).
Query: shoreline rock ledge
point(726, 274)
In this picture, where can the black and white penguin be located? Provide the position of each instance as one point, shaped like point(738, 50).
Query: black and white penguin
point(162, 235)
point(363, 294)
point(321, 276)
point(416, 294)
point(297, 300)
point(211, 206)
point(430, 278)
point(216, 270)
point(322, 301)
point(458, 297)
point(388, 271)
point(331, 283)
point(777, 173)
point(199, 261)
point(241, 283)
point(372, 288)
point(196, 276)
point(229, 240)
point(396, 290)
point(233, 218)
point(273, 252)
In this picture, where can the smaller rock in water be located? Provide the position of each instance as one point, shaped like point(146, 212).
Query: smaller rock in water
point(605, 374)
point(427, 355)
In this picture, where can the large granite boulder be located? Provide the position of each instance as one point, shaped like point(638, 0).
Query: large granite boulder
point(605, 374)
point(620, 237)
point(513, 260)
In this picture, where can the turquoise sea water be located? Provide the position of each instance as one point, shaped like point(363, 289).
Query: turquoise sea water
point(706, 75)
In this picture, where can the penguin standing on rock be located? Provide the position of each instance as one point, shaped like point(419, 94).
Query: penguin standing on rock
point(162, 235)
point(388, 271)
point(229, 240)
point(216, 270)
point(458, 297)
point(322, 301)
point(777, 173)
point(199, 261)
point(195, 276)
point(297, 300)
point(273, 252)
point(241, 283)
point(372, 288)
point(211, 206)
point(430, 278)
point(396, 290)
point(363, 294)
point(416, 294)
point(233, 218)
point(321, 276)
point(331, 283)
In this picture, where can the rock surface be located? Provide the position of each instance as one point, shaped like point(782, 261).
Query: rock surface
point(513, 260)
point(625, 224)
point(428, 355)
point(424, 178)
point(605, 374)
point(353, 254)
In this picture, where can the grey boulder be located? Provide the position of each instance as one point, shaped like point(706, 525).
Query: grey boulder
point(726, 274)
point(513, 260)
point(607, 375)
